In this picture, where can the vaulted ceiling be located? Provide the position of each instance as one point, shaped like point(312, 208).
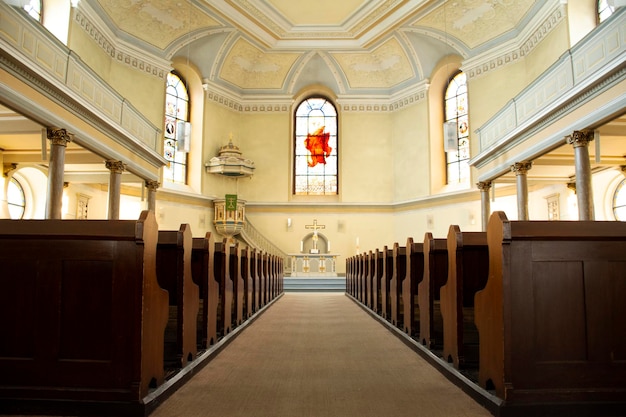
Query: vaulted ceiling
point(375, 47)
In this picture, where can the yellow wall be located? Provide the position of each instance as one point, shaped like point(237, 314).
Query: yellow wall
point(366, 157)
point(411, 150)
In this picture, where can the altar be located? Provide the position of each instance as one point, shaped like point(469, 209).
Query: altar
point(312, 264)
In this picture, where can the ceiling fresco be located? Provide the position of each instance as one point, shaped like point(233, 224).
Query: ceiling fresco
point(367, 47)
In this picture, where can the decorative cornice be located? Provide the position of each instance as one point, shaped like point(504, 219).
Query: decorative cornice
point(133, 59)
point(481, 65)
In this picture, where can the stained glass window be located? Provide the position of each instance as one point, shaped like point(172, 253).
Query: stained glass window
point(604, 10)
point(456, 116)
point(619, 202)
point(315, 148)
point(33, 8)
point(176, 132)
point(15, 199)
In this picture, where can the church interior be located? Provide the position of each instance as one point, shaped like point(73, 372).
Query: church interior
point(317, 132)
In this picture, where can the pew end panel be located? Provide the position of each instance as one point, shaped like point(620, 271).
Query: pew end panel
point(435, 275)
point(468, 267)
point(414, 275)
point(202, 262)
point(89, 305)
point(550, 318)
point(174, 249)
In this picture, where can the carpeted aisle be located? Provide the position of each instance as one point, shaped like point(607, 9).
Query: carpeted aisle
point(318, 354)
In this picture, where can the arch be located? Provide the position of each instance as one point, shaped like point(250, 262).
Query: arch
point(315, 154)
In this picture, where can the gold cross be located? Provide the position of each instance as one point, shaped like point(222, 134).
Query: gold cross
point(315, 226)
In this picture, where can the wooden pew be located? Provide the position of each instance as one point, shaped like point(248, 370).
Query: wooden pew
point(385, 280)
point(395, 285)
point(263, 279)
point(254, 269)
point(369, 279)
point(246, 275)
point(362, 278)
point(238, 290)
point(468, 267)
point(413, 276)
point(174, 274)
point(551, 316)
point(380, 273)
point(222, 275)
point(435, 275)
point(203, 272)
point(82, 315)
point(375, 281)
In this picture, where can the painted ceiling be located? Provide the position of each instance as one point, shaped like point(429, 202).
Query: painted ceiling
point(354, 47)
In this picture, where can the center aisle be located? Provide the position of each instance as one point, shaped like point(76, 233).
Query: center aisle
point(318, 354)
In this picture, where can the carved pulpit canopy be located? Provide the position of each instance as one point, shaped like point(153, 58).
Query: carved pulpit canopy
point(230, 162)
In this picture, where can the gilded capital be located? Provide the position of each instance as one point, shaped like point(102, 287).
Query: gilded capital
point(483, 185)
point(152, 185)
point(521, 168)
point(114, 166)
point(58, 136)
point(7, 168)
point(580, 138)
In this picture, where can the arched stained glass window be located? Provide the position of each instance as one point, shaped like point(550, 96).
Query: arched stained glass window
point(33, 8)
point(315, 148)
point(15, 199)
point(619, 202)
point(604, 10)
point(456, 130)
point(177, 129)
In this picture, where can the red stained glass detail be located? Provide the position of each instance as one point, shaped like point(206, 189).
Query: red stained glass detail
point(317, 145)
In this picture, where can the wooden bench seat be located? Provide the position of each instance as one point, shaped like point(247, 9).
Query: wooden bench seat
point(435, 275)
point(203, 272)
point(395, 286)
point(468, 266)
point(82, 316)
point(551, 316)
point(413, 276)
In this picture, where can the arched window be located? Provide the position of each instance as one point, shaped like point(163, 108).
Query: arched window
point(15, 199)
point(456, 130)
point(33, 8)
point(604, 10)
point(177, 129)
point(315, 148)
point(619, 202)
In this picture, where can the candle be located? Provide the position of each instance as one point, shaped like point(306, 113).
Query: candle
point(301, 246)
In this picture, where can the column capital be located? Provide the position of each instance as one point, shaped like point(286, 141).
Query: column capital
point(152, 185)
point(58, 136)
point(7, 168)
point(114, 166)
point(483, 185)
point(580, 138)
point(571, 186)
point(623, 169)
point(521, 168)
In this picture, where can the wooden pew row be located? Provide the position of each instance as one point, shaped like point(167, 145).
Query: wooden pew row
point(550, 318)
point(85, 321)
point(174, 275)
point(435, 275)
point(413, 276)
point(398, 273)
point(468, 267)
point(203, 272)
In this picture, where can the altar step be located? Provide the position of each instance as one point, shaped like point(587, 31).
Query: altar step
point(313, 284)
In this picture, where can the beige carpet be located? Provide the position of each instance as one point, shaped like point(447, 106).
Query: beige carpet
point(318, 355)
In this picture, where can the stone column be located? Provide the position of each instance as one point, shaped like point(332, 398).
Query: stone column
point(59, 138)
point(584, 194)
point(485, 206)
point(152, 187)
point(521, 169)
point(115, 183)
